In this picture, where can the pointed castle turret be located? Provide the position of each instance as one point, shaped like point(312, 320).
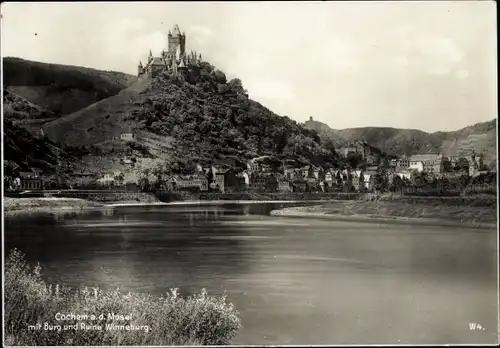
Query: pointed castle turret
point(140, 68)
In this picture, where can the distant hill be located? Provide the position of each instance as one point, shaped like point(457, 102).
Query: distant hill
point(205, 119)
point(480, 137)
point(62, 89)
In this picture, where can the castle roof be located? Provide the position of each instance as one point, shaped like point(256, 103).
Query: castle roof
point(157, 61)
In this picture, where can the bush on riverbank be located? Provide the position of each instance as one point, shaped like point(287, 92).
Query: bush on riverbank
point(171, 319)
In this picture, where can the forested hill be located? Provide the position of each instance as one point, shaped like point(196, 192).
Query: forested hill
point(214, 118)
point(23, 152)
point(61, 89)
point(210, 118)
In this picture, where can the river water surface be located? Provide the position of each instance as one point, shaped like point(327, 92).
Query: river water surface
point(294, 281)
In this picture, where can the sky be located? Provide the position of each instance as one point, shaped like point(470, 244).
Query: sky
point(419, 65)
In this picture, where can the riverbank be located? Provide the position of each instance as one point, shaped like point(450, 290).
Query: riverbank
point(254, 196)
point(427, 213)
point(47, 204)
point(146, 319)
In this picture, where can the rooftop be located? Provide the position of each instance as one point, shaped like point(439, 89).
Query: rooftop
point(157, 61)
point(176, 31)
point(425, 157)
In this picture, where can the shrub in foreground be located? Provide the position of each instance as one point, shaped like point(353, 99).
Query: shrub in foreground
point(147, 320)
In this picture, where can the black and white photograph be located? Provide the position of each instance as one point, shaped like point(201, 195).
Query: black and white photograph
point(315, 173)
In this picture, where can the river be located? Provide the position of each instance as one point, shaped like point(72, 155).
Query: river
point(294, 281)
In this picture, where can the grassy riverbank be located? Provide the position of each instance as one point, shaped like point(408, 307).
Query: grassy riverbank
point(430, 211)
point(163, 321)
point(46, 204)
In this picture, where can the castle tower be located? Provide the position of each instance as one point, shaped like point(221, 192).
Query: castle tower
point(182, 66)
point(176, 39)
point(139, 68)
point(174, 67)
point(178, 53)
point(150, 58)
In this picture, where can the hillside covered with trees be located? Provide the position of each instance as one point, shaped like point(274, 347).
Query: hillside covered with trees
point(214, 118)
point(211, 120)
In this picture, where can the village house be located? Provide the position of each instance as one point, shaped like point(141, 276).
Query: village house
point(356, 179)
point(417, 166)
point(284, 184)
point(244, 180)
point(255, 164)
point(107, 179)
point(431, 163)
point(263, 182)
point(402, 163)
point(299, 185)
point(307, 172)
point(111, 179)
point(257, 183)
point(226, 180)
point(189, 182)
point(129, 136)
point(319, 173)
point(30, 181)
point(330, 180)
point(368, 180)
point(83, 179)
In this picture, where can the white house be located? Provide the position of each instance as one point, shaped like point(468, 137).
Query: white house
point(417, 166)
point(127, 137)
point(109, 178)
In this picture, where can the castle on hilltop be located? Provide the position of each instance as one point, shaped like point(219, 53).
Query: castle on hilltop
point(174, 60)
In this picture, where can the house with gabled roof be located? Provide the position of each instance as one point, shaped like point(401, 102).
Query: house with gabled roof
point(431, 162)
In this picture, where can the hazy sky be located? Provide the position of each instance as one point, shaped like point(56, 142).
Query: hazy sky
point(424, 65)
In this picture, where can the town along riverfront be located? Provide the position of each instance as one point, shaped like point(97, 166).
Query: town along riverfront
point(294, 281)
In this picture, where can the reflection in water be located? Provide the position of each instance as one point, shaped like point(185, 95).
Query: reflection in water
point(295, 281)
